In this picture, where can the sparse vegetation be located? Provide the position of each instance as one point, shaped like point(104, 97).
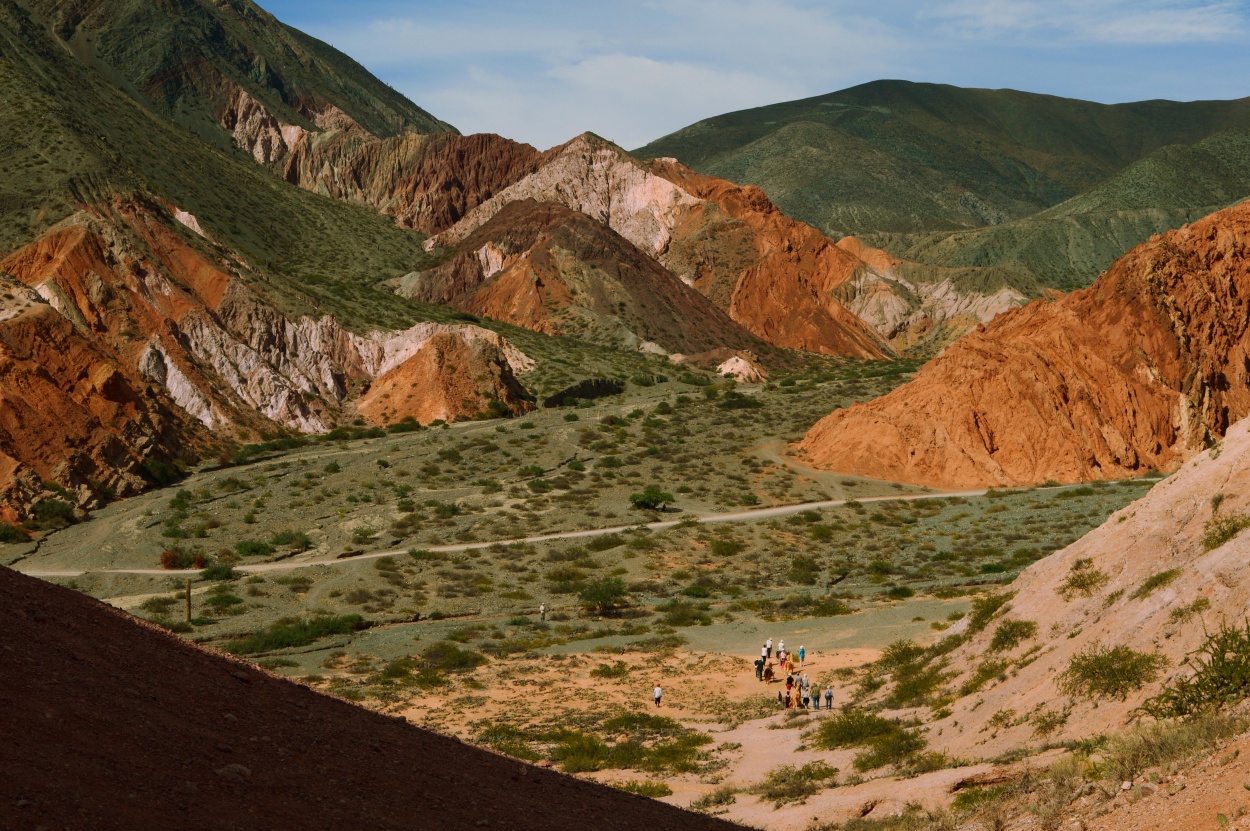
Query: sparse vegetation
point(1109, 671)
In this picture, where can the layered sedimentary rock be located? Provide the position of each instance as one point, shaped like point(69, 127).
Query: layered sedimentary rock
point(168, 335)
point(556, 270)
point(1138, 372)
point(770, 274)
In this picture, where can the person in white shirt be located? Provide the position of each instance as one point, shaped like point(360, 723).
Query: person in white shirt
point(658, 693)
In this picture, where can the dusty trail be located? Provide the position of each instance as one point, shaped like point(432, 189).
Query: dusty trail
point(754, 515)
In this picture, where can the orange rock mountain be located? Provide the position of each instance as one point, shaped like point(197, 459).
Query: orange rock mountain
point(1138, 372)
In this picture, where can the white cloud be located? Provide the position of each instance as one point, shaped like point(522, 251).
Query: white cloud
point(1098, 21)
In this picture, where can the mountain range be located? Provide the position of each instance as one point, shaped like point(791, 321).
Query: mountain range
point(234, 231)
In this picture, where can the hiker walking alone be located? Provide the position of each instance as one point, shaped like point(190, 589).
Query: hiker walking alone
point(658, 693)
point(542, 612)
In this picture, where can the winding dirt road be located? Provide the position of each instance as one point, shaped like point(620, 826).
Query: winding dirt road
point(754, 515)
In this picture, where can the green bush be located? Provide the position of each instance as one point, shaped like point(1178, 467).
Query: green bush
point(788, 783)
point(1101, 671)
point(218, 571)
point(297, 540)
point(646, 787)
point(12, 533)
point(620, 669)
point(1220, 677)
point(290, 633)
point(605, 542)
point(448, 657)
point(253, 548)
point(1010, 634)
point(651, 498)
point(1221, 529)
point(604, 595)
point(1154, 583)
point(1084, 579)
point(718, 798)
point(984, 608)
point(53, 514)
point(885, 742)
point(1132, 753)
point(682, 613)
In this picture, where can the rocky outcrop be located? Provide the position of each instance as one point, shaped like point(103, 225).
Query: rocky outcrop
point(1159, 534)
point(190, 342)
point(73, 414)
point(913, 305)
point(1138, 372)
point(556, 270)
point(447, 377)
point(771, 275)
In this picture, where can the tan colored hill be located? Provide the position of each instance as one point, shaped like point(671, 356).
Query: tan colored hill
point(139, 334)
point(125, 726)
point(771, 275)
point(556, 270)
point(1159, 536)
point(1138, 372)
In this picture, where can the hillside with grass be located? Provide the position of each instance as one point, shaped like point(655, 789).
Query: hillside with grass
point(187, 58)
point(960, 177)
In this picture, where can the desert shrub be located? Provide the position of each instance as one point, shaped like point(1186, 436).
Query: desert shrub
point(620, 669)
point(1130, 754)
point(899, 592)
point(856, 728)
point(605, 542)
point(718, 798)
point(985, 671)
point(604, 595)
point(726, 548)
point(645, 787)
point(12, 533)
point(1221, 529)
point(1084, 579)
point(1046, 722)
point(288, 633)
point(984, 608)
point(53, 513)
point(253, 548)
point(650, 498)
point(1181, 614)
point(222, 601)
point(1102, 671)
point(788, 783)
point(1220, 677)
point(1010, 633)
point(1154, 583)
point(218, 571)
point(297, 540)
point(683, 613)
point(448, 657)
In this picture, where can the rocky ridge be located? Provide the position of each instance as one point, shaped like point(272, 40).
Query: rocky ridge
point(1138, 372)
point(180, 330)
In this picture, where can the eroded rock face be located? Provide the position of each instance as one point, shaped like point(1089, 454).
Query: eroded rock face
point(71, 413)
point(178, 342)
point(447, 377)
point(771, 275)
point(556, 270)
point(1138, 372)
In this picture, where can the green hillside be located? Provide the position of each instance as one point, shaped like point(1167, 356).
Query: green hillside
point(184, 57)
point(1067, 246)
point(894, 156)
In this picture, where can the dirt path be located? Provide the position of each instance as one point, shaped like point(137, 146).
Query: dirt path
point(754, 515)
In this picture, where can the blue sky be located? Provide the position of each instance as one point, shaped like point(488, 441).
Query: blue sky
point(545, 70)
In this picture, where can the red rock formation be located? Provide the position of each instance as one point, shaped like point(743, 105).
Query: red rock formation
point(449, 377)
point(555, 270)
point(147, 334)
point(1138, 371)
point(71, 413)
point(118, 725)
point(782, 286)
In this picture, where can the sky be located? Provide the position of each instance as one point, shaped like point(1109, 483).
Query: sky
point(544, 71)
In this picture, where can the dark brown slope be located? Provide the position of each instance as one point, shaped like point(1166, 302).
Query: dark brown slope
point(112, 724)
point(555, 270)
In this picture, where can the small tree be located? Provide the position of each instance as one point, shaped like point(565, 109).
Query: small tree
point(651, 498)
point(603, 595)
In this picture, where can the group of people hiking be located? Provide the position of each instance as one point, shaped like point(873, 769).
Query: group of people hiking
point(798, 691)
